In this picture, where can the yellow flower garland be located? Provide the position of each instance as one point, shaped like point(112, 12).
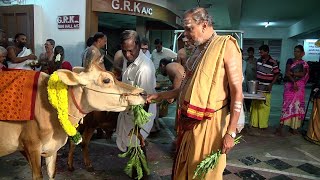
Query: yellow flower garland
point(58, 98)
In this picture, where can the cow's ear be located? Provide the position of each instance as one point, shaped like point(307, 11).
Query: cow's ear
point(71, 78)
point(78, 69)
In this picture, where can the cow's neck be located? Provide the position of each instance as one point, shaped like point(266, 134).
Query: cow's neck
point(76, 113)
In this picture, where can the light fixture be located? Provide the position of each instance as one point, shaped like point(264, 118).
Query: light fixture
point(266, 24)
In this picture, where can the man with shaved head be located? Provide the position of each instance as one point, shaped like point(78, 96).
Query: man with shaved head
point(210, 97)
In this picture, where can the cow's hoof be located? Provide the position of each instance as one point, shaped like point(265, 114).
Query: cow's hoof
point(71, 169)
point(90, 169)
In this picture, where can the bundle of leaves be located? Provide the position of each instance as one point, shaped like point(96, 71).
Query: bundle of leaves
point(137, 160)
point(210, 162)
point(141, 117)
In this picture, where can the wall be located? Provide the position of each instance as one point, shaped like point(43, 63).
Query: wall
point(274, 33)
point(45, 20)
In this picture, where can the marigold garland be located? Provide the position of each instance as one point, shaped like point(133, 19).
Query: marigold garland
point(58, 98)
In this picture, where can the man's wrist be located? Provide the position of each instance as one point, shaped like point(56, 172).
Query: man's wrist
point(233, 134)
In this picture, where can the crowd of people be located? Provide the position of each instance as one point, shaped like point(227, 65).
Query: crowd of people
point(265, 71)
point(206, 121)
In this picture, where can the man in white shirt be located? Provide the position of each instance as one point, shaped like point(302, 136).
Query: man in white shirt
point(137, 70)
point(118, 57)
point(145, 47)
point(161, 53)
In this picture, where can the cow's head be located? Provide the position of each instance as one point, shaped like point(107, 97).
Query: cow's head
point(100, 90)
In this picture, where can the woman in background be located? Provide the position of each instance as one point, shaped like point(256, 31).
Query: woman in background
point(297, 73)
point(58, 61)
point(47, 56)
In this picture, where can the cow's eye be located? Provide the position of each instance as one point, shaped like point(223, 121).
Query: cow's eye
point(106, 81)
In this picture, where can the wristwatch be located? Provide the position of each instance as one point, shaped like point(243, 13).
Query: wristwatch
point(232, 134)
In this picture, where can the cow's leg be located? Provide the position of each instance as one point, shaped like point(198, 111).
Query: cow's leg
point(87, 134)
point(72, 147)
point(34, 159)
point(51, 165)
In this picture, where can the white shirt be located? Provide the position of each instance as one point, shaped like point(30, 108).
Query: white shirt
point(22, 65)
point(164, 53)
point(141, 73)
point(148, 54)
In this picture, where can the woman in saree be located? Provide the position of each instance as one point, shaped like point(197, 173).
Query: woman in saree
point(297, 73)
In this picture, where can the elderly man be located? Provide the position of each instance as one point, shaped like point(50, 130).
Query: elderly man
point(139, 71)
point(3, 55)
point(208, 120)
point(185, 52)
point(99, 42)
point(118, 57)
point(19, 55)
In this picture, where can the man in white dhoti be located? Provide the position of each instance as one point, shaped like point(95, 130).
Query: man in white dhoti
point(137, 70)
point(19, 56)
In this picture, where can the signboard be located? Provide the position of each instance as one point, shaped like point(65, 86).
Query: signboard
point(68, 22)
point(131, 6)
point(312, 52)
point(136, 8)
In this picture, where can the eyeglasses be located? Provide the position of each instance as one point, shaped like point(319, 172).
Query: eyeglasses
point(144, 48)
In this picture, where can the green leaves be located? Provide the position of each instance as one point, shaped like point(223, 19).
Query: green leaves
point(137, 160)
point(141, 117)
point(76, 139)
point(210, 162)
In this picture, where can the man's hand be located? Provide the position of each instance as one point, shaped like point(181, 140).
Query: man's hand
point(154, 97)
point(32, 56)
point(228, 143)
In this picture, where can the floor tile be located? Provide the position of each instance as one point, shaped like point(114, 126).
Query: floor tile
point(280, 177)
point(309, 168)
point(250, 175)
point(278, 164)
point(250, 160)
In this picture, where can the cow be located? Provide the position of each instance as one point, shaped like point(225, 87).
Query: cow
point(96, 119)
point(91, 90)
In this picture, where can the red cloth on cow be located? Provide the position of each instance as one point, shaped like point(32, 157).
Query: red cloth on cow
point(18, 89)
